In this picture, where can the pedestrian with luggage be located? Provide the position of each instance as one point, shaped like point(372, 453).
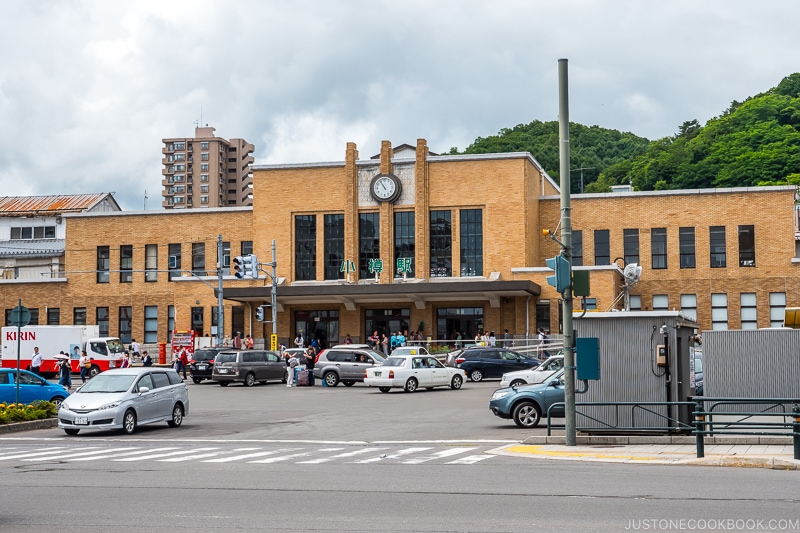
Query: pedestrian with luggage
point(86, 365)
point(291, 364)
point(310, 356)
point(64, 372)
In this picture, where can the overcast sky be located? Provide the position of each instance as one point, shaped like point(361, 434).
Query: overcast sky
point(89, 88)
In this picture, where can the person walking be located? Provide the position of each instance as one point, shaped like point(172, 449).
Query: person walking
point(184, 359)
point(126, 360)
point(291, 364)
point(86, 365)
point(136, 349)
point(299, 342)
point(36, 361)
point(146, 359)
point(506, 339)
point(237, 341)
point(64, 372)
point(310, 356)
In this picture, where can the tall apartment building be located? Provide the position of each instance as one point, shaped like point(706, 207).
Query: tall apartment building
point(207, 171)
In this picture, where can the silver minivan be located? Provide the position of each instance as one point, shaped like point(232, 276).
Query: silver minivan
point(248, 366)
point(345, 364)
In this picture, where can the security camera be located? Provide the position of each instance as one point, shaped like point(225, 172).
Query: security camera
point(663, 329)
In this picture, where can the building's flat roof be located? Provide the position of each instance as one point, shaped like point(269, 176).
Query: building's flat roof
point(161, 212)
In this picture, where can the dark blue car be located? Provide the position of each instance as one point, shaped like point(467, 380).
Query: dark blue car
point(32, 387)
point(489, 362)
point(527, 404)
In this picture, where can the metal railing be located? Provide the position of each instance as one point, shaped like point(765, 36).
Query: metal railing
point(640, 409)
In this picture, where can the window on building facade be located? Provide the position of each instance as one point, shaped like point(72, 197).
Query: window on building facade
point(658, 246)
point(53, 316)
point(716, 238)
point(204, 199)
point(404, 244)
point(199, 258)
point(204, 167)
point(777, 309)
point(686, 246)
point(543, 315)
point(471, 237)
point(174, 251)
point(630, 241)
point(247, 247)
point(204, 177)
point(689, 305)
point(441, 242)
point(747, 246)
point(126, 263)
point(305, 247)
point(102, 320)
point(334, 246)
point(34, 316)
point(636, 302)
point(197, 320)
point(748, 309)
point(204, 188)
point(660, 302)
point(204, 157)
point(125, 324)
point(103, 266)
point(8, 317)
point(369, 243)
point(151, 262)
point(79, 316)
point(577, 248)
point(170, 322)
point(602, 253)
point(150, 324)
point(226, 258)
point(38, 232)
point(719, 311)
point(204, 145)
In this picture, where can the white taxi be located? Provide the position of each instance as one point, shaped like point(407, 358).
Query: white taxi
point(411, 372)
point(533, 375)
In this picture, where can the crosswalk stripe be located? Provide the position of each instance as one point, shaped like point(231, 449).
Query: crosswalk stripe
point(245, 456)
point(71, 454)
point(438, 455)
point(393, 456)
point(281, 458)
point(51, 451)
point(137, 452)
point(340, 456)
point(190, 457)
point(169, 454)
point(470, 459)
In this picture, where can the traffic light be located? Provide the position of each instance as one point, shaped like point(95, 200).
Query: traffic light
point(253, 266)
point(238, 266)
point(560, 266)
point(260, 313)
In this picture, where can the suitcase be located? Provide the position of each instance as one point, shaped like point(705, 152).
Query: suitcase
point(302, 378)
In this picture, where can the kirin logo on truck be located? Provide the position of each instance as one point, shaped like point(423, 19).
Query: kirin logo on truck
point(23, 335)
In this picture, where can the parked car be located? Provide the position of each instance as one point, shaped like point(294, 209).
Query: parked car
point(31, 388)
point(698, 373)
point(202, 364)
point(346, 364)
point(486, 362)
point(533, 375)
point(410, 372)
point(526, 404)
point(248, 366)
point(126, 398)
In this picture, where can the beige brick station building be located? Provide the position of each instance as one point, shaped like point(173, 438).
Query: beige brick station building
point(411, 240)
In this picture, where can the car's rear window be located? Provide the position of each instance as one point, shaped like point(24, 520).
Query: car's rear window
point(394, 361)
point(205, 355)
point(226, 358)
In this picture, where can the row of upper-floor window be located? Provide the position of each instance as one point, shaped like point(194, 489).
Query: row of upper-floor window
point(687, 252)
point(33, 232)
point(175, 262)
point(204, 145)
point(403, 261)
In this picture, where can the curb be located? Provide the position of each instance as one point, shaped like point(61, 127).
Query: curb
point(16, 427)
point(682, 440)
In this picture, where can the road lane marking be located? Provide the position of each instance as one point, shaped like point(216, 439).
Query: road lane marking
point(244, 456)
point(72, 454)
point(170, 454)
point(282, 458)
point(392, 456)
point(137, 452)
point(340, 456)
point(51, 451)
point(437, 455)
point(470, 459)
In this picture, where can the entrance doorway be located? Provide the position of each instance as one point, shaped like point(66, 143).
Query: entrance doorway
point(385, 321)
point(452, 320)
point(320, 325)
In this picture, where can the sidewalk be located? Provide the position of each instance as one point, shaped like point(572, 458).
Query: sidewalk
point(755, 452)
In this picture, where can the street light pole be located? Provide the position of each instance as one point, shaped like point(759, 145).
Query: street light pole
point(220, 308)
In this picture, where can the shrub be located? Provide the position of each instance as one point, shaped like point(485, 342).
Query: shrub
point(18, 412)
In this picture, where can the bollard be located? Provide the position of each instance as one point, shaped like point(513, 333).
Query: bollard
point(699, 419)
point(796, 431)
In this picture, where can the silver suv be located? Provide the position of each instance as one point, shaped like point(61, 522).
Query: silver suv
point(346, 364)
point(248, 366)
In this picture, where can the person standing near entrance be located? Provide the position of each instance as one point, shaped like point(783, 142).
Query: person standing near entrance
point(506, 339)
point(385, 344)
point(36, 361)
point(237, 341)
point(310, 356)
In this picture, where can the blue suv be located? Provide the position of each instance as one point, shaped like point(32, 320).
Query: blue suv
point(527, 403)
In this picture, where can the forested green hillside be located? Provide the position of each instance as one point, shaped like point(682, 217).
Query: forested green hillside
point(755, 142)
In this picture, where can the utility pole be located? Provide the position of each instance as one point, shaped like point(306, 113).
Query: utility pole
point(220, 308)
point(582, 169)
point(274, 294)
point(566, 239)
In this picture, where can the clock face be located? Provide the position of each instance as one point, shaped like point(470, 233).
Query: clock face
point(385, 188)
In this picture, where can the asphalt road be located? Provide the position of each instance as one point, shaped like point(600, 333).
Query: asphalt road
point(352, 459)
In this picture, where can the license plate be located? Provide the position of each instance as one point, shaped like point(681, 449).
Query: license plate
point(81, 421)
point(223, 370)
point(201, 367)
point(377, 374)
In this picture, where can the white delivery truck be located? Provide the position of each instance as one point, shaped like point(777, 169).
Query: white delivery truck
point(105, 352)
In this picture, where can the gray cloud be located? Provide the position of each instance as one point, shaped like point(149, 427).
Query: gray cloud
point(89, 89)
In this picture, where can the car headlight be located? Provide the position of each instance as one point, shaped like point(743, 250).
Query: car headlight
point(111, 405)
point(63, 406)
point(502, 393)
